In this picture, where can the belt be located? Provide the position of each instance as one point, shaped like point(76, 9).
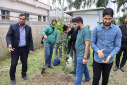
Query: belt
point(22, 47)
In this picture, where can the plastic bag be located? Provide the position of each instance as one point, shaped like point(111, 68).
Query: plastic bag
point(69, 62)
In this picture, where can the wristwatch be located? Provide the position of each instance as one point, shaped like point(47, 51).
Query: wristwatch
point(85, 58)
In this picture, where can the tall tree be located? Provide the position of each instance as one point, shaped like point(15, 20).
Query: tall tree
point(102, 3)
point(70, 4)
point(53, 1)
point(84, 3)
point(77, 4)
point(120, 4)
point(88, 3)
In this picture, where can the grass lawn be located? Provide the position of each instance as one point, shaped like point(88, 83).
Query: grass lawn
point(52, 76)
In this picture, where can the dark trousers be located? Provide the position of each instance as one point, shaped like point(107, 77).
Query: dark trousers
point(22, 52)
point(99, 68)
point(93, 55)
point(124, 50)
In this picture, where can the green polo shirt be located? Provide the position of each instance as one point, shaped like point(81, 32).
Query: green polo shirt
point(83, 35)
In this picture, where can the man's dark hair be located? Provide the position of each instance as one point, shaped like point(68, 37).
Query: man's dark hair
point(77, 19)
point(22, 15)
point(53, 21)
point(65, 27)
point(108, 11)
point(68, 21)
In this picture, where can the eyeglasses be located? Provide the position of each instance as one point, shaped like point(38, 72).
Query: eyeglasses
point(107, 19)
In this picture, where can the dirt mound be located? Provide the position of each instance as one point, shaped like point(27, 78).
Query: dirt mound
point(51, 78)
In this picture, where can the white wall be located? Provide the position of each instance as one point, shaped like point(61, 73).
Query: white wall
point(89, 20)
point(90, 17)
point(100, 15)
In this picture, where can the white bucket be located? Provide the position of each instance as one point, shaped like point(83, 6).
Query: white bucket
point(69, 62)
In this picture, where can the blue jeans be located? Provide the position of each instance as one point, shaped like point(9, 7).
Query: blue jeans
point(86, 73)
point(48, 54)
point(60, 50)
point(81, 68)
point(75, 61)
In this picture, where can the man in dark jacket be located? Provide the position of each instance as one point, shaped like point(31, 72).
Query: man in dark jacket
point(19, 41)
point(71, 43)
point(123, 48)
point(69, 24)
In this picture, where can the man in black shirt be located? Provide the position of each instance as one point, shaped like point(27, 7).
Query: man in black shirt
point(123, 48)
point(71, 43)
point(69, 24)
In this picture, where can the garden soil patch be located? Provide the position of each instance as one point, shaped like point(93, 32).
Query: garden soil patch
point(51, 78)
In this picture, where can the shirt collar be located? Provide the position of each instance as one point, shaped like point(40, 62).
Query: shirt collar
point(102, 25)
point(20, 25)
point(82, 28)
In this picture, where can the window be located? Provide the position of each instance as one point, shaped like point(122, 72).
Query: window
point(5, 15)
point(39, 18)
point(44, 18)
point(27, 16)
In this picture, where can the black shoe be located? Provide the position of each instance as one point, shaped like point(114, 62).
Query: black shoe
point(50, 67)
point(92, 64)
point(12, 82)
point(84, 81)
point(24, 77)
point(73, 72)
point(74, 75)
point(115, 68)
point(122, 69)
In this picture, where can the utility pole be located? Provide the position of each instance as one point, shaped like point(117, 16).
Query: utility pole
point(62, 6)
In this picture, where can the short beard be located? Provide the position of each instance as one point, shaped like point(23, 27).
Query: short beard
point(126, 23)
point(78, 28)
point(106, 25)
point(22, 24)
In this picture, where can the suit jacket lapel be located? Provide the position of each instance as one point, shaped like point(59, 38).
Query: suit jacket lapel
point(18, 30)
point(26, 31)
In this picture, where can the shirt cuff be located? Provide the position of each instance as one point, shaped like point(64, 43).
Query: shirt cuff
point(111, 54)
point(9, 45)
point(96, 49)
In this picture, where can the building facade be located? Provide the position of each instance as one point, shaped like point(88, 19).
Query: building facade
point(34, 10)
point(37, 17)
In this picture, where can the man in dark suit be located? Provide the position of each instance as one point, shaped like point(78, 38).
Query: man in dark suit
point(19, 41)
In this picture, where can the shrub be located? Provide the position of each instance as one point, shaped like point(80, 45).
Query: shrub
point(122, 19)
point(88, 26)
point(114, 22)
